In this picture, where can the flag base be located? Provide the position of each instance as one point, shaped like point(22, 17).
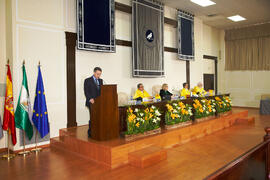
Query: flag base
point(36, 150)
point(8, 156)
point(24, 153)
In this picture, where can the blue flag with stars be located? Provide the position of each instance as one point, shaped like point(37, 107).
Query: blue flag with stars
point(40, 114)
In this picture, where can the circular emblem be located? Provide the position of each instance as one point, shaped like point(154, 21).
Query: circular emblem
point(149, 35)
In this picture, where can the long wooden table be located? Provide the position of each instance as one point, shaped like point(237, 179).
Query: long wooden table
point(161, 105)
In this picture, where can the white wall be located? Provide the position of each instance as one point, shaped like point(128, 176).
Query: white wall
point(246, 87)
point(2, 57)
point(38, 34)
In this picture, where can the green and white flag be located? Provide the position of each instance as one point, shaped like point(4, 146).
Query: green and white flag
point(23, 110)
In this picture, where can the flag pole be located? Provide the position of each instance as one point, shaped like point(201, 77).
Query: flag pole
point(36, 149)
point(24, 152)
point(8, 156)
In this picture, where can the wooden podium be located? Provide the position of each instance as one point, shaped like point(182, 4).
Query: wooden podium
point(105, 115)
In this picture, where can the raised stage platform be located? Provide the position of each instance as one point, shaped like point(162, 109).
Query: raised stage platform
point(118, 152)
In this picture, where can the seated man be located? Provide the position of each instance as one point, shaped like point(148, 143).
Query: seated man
point(199, 90)
point(140, 93)
point(185, 92)
point(164, 93)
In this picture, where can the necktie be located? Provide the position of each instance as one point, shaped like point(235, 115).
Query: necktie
point(97, 83)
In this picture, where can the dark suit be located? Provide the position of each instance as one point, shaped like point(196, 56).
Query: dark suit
point(91, 91)
point(165, 95)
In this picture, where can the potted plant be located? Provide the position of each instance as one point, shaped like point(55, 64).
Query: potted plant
point(204, 109)
point(142, 122)
point(178, 115)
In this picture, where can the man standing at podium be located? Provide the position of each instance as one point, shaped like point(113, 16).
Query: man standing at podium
point(92, 90)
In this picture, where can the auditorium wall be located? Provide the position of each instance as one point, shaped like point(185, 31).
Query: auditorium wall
point(2, 59)
point(246, 87)
point(37, 30)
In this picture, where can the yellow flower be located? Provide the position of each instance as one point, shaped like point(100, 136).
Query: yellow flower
point(195, 106)
point(157, 96)
point(182, 105)
point(137, 124)
point(130, 110)
point(169, 107)
point(201, 110)
point(131, 117)
point(210, 110)
point(151, 110)
point(173, 116)
point(183, 111)
point(146, 110)
point(186, 112)
point(217, 98)
point(150, 116)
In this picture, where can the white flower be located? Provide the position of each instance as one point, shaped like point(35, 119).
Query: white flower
point(174, 104)
point(157, 113)
point(178, 108)
point(154, 120)
point(191, 113)
point(153, 107)
point(214, 110)
point(136, 110)
point(174, 111)
point(141, 114)
point(158, 119)
point(207, 112)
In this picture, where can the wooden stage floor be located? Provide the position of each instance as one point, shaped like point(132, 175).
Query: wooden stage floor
point(193, 160)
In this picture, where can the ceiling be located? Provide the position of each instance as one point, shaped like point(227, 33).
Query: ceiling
point(255, 11)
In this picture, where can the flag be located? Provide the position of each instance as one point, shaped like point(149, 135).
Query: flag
point(8, 121)
point(40, 114)
point(1, 130)
point(148, 38)
point(22, 118)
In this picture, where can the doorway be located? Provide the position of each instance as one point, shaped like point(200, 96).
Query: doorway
point(209, 81)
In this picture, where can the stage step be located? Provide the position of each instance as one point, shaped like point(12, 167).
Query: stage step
point(56, 143)
point(147, 156)
point(246, 120)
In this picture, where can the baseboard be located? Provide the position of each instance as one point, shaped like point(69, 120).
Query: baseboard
point(245, 107)
point(3, 150)
point(29, 149)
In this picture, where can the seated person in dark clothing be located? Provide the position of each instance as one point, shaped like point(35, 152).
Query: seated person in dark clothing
point(164, 93)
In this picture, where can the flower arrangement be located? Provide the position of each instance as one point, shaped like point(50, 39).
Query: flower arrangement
point(157, 96)
point(204, 108)
point(142, 120)
point(223, 104)
point(178, 112)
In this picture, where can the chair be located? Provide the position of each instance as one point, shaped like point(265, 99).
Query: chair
point(156, 89)
point(265, 104)
point(122, 99)
point(265, 96)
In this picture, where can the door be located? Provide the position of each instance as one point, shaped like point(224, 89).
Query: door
point(209, 81)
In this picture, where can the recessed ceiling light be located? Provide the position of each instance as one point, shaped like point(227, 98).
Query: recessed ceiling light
point(236, 18)
point(203, 3)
